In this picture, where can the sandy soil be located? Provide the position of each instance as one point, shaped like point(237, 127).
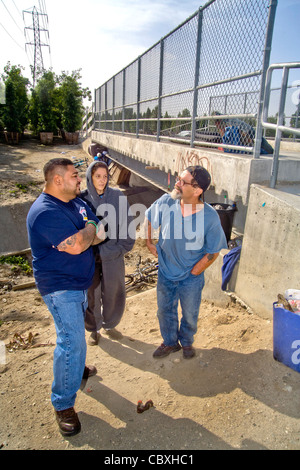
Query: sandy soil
point(232, 395)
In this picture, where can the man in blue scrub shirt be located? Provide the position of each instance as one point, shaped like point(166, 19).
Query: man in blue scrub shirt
point(61, 231)
point(190, 239)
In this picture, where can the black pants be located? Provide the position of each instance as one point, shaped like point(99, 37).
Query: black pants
point(106, 296)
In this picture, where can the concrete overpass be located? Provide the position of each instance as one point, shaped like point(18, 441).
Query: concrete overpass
point(268, 218)
point(232, 174)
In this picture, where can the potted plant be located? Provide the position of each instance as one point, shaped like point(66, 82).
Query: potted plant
point(72, 110)
point(15, 108)
point(43, 112)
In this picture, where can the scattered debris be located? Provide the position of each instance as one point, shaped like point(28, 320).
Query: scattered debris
point(25, 285)
point(141, 408)
point(19, 342)
point(282, 300)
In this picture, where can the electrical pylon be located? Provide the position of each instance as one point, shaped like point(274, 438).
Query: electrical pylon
point(38, 66)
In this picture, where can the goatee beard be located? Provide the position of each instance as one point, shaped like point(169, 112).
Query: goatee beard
point(175, 194)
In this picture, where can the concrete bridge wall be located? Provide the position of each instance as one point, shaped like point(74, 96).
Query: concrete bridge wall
point(270, 256)
point(231, 173)
point(268, 218)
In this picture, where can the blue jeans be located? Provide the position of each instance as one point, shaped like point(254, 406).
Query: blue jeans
point(169, 293)
point(68, 310)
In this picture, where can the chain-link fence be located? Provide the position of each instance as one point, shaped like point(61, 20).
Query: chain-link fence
point(202, 84)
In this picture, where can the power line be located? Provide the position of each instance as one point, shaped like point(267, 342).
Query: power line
point(11, 37)
point(45, 19)
point(11, 16)
point(17, 9)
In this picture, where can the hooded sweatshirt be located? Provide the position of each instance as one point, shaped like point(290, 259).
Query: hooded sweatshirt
point(113, 210)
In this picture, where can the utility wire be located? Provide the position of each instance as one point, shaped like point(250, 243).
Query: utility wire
point(45, 21)
point(17, 9)
point(11, 16)
point(12, 37)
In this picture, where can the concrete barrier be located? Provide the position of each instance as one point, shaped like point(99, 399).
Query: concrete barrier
point(13, 226)
point(231, 174)
point(270, 257)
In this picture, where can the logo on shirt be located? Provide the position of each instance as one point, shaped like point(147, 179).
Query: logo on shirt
point(82, 211)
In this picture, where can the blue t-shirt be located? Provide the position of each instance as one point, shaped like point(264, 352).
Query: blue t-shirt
point(49, 222)
point(183, 241)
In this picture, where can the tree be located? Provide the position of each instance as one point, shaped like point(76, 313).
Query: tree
point(44, 103)
point(44, 111)
point(15, 109)
point(71, 100)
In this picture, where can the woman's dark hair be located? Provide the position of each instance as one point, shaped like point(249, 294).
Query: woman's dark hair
point(99, 165)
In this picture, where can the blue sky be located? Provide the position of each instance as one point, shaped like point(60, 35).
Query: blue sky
point(103, 36)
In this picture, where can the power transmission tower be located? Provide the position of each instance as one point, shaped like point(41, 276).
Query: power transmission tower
point(38, 66)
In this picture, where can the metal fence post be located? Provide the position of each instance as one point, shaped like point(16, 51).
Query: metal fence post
point(113, 105)
point(266, 62)
point(197, 65)
point(99, 104)
point(105, 99)
point(280, 119)
point(160, 85)
point(123, 101)
point(138, 97)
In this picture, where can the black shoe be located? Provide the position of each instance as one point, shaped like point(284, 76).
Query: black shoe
point(164, 350)
point(188, 352)
point(94, 338)
point(68, 422)
point(89, 371)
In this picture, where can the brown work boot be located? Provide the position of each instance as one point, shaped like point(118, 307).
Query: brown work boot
point(68, 422)
point(164, 350)
point(188, 352)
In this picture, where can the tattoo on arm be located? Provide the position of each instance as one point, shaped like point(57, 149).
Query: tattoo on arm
point(69, 242)
point(210, 256)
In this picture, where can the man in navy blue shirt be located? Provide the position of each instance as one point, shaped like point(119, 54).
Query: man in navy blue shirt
point(61, 230)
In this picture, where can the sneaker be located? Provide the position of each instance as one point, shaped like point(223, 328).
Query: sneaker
point(94, 338)
point(188, 352)
point(164, 350)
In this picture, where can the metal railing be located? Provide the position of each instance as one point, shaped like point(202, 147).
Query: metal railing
point(279, 127)
point(211, 68)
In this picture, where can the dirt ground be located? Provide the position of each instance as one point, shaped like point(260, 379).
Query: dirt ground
point(232, 395)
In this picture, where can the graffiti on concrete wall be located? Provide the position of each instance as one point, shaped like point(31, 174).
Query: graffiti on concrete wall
point(191, 158)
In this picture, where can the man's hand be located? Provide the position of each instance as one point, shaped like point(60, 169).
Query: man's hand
point(100, 235)
point(203, 264)
point(152, 248)
point(80, 241)
point(150, 245)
